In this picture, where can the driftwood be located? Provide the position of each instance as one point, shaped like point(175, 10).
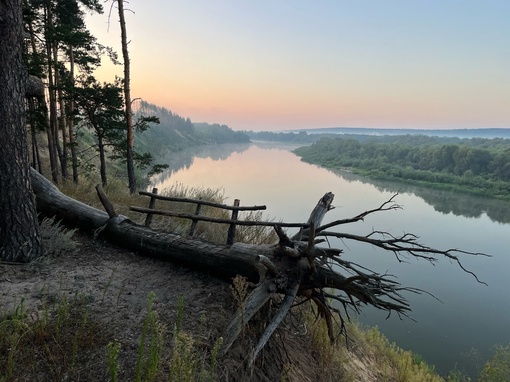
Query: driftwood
point(296, 268)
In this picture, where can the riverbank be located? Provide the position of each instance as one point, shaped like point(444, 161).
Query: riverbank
point(475, 167)
point(473, 186)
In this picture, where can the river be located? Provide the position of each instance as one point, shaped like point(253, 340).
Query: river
point(459, 327)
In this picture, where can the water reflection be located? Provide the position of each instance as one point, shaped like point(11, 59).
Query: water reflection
point(183, 159)
point(443, 201)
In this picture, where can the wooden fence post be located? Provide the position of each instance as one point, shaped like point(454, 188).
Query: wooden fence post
point(194, 221)
point(152, 204)
point(232, 229)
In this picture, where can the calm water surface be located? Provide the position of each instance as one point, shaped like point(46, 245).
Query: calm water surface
point(458, 331)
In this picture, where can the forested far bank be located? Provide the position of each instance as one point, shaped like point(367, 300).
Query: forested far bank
point(476, 136)
point(478, 166)
point(174, 133)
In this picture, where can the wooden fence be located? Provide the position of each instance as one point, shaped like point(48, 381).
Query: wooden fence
point(196, 217)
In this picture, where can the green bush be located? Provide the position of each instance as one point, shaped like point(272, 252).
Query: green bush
point(497, 369)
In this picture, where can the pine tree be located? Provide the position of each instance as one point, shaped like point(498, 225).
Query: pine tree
point(20, 239)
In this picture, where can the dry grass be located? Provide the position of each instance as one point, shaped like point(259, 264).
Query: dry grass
point(121, 199)
point(368, 356)
point(57, 239)
point(61, 341)
point(64, 342)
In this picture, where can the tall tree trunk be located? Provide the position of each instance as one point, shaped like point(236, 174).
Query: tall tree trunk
point(127, 100)
point(52, 139)
point(62, 119)
point(35, 101)
point(20, 239)
point(36, 158)
point(53, 107)
point(70, 122)
point(102, 160)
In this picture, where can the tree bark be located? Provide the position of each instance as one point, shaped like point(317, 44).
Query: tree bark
point(72, 137)
point(127, 100)
point(36, 158)
point(285, 306)
point(102, 160)
point(52, 131)
point(62, 120)
point(19, 230)
point(54, 107)
point(35, 87)
point(255, 300)
point(318, 213)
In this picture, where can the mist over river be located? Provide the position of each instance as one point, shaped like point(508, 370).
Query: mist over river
point(456, 330)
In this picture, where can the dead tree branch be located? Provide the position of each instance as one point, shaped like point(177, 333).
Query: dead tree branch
point(407, 244)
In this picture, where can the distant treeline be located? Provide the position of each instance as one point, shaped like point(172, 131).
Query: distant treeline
point(175, 132)
point(488, 133)
point(290, 137)
point(476, 165)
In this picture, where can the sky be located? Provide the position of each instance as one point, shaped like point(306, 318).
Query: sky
point(281, 64)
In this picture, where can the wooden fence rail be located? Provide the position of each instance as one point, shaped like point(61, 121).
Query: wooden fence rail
point(196, 217)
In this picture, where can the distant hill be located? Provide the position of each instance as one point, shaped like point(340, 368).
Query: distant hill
point(175, 133)
point(216, 133)
point(459, 133)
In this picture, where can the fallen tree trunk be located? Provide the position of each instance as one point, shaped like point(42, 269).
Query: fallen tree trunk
point(52, 202)
point(221, 260)
point(217, 259)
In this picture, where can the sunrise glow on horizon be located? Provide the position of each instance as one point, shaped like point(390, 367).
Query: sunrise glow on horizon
point(276, 65)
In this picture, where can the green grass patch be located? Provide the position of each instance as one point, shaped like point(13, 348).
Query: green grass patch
point(55, 341)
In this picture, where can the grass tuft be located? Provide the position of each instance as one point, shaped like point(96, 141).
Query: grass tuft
point(151, 344)
point(113, 351)
point(52, 342)
point(57, 239)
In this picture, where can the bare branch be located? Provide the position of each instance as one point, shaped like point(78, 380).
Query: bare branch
point(389, 205)
point(280, 315)
point(110, 14)
point(407, 244)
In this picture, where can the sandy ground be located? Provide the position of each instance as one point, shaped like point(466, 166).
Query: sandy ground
point(116, 283)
